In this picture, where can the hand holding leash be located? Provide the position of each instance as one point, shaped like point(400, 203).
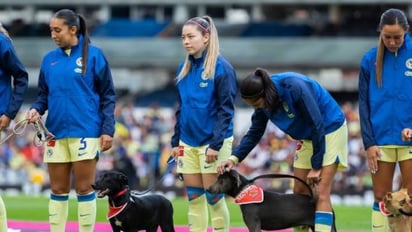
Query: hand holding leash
point(175, 152)
point(42, 134)
point(33, 115)
point(4, 122)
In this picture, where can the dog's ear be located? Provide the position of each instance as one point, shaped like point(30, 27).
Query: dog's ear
point(236, 175)
point(122, 178)
point(388, 197)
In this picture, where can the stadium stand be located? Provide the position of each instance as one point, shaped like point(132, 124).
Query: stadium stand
point(129, 28)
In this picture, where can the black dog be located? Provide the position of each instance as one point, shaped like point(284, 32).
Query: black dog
point(130, 213)
point(276, 211)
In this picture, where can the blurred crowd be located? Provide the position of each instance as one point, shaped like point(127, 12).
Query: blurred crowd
point(142, 147)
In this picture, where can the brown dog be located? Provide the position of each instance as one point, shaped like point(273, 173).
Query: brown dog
point(398, 208)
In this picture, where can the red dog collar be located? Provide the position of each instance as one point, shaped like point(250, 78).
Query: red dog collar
point(383, 209)
point(249, 195)
point(113, 211)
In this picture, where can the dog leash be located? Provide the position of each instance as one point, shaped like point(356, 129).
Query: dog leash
point(18, 129)
point(279, 175)
point(42, 134)
point(170, 165)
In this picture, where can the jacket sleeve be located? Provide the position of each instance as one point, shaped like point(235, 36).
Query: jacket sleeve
point(313, 117)
point(41, 104)
point(226, 89)
point(176, 136)
point(105, 89)
point(13, 66)
point(253, 135)
point(364, 109)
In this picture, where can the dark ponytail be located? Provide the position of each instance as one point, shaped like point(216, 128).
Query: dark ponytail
point(71, 19)
point(259, 85)
point(86, 40)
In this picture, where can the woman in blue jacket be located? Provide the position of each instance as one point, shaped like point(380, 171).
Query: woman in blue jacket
point(76, 88)
point(385, 83)
point(306, 112)
point(12, 73)
point(203, 136)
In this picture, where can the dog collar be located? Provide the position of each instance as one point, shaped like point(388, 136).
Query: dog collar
point(113, 211)
point(121, 193)
point(383, 209)
point(249, 195)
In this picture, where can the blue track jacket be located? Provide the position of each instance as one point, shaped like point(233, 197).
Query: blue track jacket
point(11, 66)
point(78, 105)
point(206, 105)
point(385, 111)
point(308, 112)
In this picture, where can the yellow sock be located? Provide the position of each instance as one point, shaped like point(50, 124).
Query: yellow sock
point(86, 212)
point(197, 215)
point(379, 221)
point(323, 221)
point(3, 216)
point(58, 210)
point(219, 213)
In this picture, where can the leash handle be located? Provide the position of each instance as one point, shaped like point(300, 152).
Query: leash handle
point(170, 164)
point(279, 175)
point(18, 129)
point(42, 134)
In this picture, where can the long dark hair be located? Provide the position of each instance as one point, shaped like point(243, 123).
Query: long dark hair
point(71, 19)
point(259, 85)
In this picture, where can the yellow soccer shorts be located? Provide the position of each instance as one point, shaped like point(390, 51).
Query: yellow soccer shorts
point(393, 154)
point(192, 159)
point(71, 150)
point(336, 150)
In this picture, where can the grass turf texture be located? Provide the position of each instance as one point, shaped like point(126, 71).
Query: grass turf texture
point(354, 218)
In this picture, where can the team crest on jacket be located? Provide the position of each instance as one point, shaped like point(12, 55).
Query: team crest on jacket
point(79, 62)
point(286, 109)
point(408, 63)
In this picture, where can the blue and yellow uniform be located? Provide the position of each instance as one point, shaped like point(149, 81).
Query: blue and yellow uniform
point(378, 104)
point(308, 113)
point(205, 114)
point(204, 120)
point(78, 105)
point(80, 109)
point(383, 112)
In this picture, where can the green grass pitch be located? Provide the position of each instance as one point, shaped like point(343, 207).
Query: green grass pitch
point(353, 218)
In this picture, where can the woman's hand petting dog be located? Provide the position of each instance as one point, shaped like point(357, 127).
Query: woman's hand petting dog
point(225, 166)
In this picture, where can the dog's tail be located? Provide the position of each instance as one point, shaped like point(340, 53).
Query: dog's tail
point(279, 175)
